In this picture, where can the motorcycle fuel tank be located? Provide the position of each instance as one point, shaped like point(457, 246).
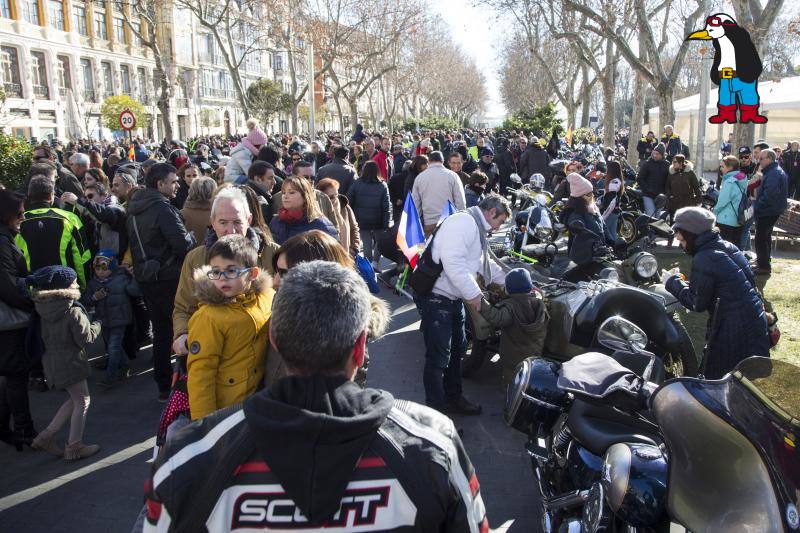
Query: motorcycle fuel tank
point(634, 482)
point(533, 398)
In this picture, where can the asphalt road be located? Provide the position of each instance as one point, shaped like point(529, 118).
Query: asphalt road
point(103, 494)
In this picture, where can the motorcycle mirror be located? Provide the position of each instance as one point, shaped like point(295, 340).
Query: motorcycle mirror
point(617, 333)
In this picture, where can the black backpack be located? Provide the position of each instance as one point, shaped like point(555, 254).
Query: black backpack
point(427, 271)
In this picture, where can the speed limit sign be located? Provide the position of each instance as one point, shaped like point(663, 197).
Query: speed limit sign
point(127, 120)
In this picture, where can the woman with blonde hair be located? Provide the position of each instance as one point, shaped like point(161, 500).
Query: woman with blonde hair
point(197, 207)
point(345, 218)
point(300, 212)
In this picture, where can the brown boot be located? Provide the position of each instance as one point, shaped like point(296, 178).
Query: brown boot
point(79, 450)
point(46, 442)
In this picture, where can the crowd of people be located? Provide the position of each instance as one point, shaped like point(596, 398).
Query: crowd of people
point(245, 258)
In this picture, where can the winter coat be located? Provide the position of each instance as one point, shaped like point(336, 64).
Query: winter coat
point(397, 194)
point(491, 171)
point(771, 199)
point(585, 244)
point(652, 177)
point(141, 154)
point(282, 231)
point(197, 215)
point(185, 300)
point(523, 320)
point(67, 182)
point(239, 163)
point(323, 202)
point(371, 205)
point(730, 195)
point(673, 144)
point(791, 165)
point(472, 197)
point(505, 165)
point(181, 195)
point(13, 293)
point(347, 226)
point(228, 341)
point(433, 187)
point(323, 440)
point(359, 134)
point(66, 331)
point(723, 284)
point(115, 309)
point(682, 188)
point(534, 159)
point(340, 171)
point(162, 231)
point(645, 147)
point(112, 218)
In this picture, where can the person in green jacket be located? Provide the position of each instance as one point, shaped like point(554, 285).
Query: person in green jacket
point(50, 236)
point(734, 185)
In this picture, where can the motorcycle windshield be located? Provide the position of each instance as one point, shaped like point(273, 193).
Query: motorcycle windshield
point(733, 460)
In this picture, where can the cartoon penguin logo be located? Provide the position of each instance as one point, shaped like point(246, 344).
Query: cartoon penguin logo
point(736, 69)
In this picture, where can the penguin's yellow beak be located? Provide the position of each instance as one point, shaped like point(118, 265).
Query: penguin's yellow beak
point(701, 35)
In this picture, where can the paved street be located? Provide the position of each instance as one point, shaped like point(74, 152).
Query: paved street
point(39, 493)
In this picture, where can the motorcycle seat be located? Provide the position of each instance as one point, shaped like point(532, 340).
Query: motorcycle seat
point(598, 427)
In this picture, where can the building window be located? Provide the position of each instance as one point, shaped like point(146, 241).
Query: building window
point(88, 80)
point(64, 76)
point(39, 75)
point(119, 31)
point(100, 29)
point(141, 83)
point(125, 77)
point(56, 14)
point(5, 9)
point(79, 19)
point(108, 79)
point(136, 31)
point(30, 11)
point(11, 76)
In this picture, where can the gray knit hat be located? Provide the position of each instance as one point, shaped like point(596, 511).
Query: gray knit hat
point(694, 220)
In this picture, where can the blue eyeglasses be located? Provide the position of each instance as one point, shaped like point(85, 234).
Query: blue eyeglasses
point(229, 273)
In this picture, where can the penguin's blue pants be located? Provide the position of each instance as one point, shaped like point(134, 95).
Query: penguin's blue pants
point(733, 89)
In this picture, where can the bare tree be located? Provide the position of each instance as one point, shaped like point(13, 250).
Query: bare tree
point(144, 18)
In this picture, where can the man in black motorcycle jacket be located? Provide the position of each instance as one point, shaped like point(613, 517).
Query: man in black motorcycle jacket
point(316, 451)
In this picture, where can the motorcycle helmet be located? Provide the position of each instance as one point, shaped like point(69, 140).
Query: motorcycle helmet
point(537, 181)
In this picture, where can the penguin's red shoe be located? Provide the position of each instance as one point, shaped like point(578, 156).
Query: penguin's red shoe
point(727, 113)
point(749, 113)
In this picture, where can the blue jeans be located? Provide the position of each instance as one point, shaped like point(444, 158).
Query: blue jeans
point(649, 205)
point(445, 344)
point(745, 244)
point(732, 89)
point(611, 227)
point(117, 359)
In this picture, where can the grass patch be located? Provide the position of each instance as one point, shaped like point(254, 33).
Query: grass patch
point(781, 290)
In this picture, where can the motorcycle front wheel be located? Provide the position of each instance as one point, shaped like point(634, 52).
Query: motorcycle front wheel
point(475, 353)
point(682, 362)
point(627, 230)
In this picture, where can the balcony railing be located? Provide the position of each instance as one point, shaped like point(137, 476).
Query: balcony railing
point(182, 103)
point(90, 96)
point(41, 92)
point(210, 92)
point(13, 90)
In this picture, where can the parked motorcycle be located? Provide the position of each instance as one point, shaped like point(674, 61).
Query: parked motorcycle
point(614, 447)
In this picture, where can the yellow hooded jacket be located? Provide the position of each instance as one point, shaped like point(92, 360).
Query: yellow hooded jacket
point(228, 340)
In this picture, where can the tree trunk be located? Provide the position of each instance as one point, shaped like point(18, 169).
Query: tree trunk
point(352, 103)
point(586, 98)
point(571, 111)
point(666, 109)
point(608, 80)
point(637, 115)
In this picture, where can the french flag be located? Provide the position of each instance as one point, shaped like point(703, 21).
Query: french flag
point(410, 237)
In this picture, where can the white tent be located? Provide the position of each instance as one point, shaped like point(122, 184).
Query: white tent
point(780, 103)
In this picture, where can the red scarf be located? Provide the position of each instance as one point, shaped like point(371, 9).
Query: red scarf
point(290, 216)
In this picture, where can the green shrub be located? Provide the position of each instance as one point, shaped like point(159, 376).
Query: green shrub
point(16, 156)
point(431, 123)
point(540, 121)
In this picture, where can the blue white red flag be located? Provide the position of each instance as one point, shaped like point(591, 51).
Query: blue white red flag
point(448, 210)
point(410, 236)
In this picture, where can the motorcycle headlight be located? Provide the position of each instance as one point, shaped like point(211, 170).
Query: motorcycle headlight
point(645, 266)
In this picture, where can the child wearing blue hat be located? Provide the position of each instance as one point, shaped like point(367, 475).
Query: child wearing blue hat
point(109, 292)
point(66, 330)
point(522, 319)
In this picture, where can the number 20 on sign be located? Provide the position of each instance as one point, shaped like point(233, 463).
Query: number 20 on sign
point(127, 120)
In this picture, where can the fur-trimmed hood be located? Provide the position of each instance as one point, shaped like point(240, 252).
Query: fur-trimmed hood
point(52, 305)
point(687, 167)
point(379, 319)
point(207, 293)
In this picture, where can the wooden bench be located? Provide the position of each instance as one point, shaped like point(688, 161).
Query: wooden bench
point(787, 228)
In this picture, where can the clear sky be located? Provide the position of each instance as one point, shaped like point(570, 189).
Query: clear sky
point(474, 30)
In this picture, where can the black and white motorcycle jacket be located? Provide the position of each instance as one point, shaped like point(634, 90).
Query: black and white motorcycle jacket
point(316, 454)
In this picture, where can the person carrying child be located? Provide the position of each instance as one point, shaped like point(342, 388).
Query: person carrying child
point(228, 334)
point(522, 318)
point(110, 292)
point(66, 330)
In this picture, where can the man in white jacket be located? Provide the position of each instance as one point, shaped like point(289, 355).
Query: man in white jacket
point(461, 246)
point(433, 188)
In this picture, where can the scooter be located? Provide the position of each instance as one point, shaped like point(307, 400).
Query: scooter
point(615, 447)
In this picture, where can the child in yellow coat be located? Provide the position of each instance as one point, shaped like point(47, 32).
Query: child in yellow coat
point(228, 334)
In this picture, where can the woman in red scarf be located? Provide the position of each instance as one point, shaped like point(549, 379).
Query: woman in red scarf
point(300, 212)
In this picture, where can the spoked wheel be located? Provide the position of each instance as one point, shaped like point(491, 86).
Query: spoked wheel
point(682, 362)
point(475, 353)
point(626, 229)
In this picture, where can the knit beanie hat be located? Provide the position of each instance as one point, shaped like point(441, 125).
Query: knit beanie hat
point(518, 281)
point(695, 220)
point(578, 185)
point(52, 277)
point(660, 148)
point(109, 257)
point(255, 134)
